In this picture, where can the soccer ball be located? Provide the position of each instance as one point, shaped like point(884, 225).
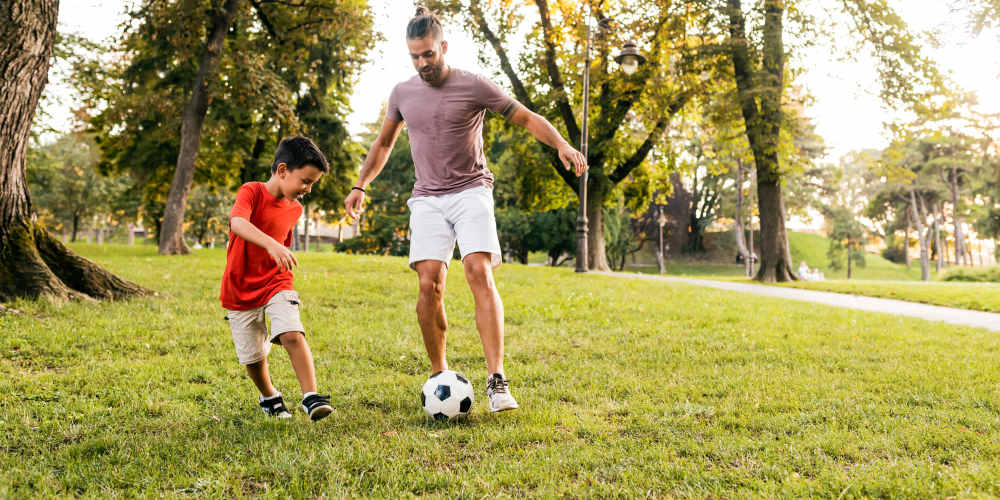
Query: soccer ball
point(447, 395)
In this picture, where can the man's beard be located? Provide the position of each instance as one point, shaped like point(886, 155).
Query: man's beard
point(432, 73)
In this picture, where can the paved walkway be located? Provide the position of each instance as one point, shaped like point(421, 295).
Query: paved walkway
point(978, 319)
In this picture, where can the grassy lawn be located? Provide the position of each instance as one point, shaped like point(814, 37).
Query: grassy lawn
point(975, 296)
point(627, 388)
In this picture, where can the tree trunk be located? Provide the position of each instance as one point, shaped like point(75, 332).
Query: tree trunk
point(172, 232)
point(906, 240)
point(739, 231)
point(937, 238)
point(763, 129)
point(307, 228)
point(131, 234)
point(33, 263)
point(76, 226)
point(849, 258)
point(960, 252)
point(925, 270)
point(597, 257)
point(775, 264)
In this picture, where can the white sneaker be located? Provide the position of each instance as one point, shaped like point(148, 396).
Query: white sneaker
point(499, 394)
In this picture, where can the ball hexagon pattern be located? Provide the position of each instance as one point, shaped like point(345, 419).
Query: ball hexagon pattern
point(447, 395)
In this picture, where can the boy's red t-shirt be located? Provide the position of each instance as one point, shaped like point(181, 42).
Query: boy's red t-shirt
point(252, 277)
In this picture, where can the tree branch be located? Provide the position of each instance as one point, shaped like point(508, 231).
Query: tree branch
point(626, 167)
point(264, 20)
point(562, 102)
point(519, 90)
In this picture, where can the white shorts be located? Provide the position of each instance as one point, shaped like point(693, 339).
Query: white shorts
point(437, 221)
point(250, 335)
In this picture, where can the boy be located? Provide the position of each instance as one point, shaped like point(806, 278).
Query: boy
point(258, 277)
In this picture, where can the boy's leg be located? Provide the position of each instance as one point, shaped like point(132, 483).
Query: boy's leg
point(261, 378)
point(301, 358)
point(252, 346)
point(430, 310)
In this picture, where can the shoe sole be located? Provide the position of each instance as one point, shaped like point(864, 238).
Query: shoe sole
point(498, 410)
point(320, 413)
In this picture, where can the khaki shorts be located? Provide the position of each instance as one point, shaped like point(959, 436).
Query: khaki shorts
point(250, 335)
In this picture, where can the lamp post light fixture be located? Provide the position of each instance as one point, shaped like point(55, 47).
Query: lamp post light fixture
point(629, 59)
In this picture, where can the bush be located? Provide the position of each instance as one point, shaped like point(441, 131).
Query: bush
point(981, 274)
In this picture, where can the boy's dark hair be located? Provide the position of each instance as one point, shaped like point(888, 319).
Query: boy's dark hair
point(424, 24)
point(297, 152)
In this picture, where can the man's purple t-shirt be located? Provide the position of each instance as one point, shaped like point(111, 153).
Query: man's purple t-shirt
point(445, 125)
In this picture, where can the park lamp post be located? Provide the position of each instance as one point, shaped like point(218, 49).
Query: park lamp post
point(629, 59)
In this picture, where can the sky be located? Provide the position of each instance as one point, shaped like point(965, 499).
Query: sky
point(845, 108)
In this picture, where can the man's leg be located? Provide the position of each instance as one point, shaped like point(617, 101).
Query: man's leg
point(301, 358)
point(489, 308)
point(430, 310)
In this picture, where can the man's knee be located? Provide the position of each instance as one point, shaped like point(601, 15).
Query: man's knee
point(431, 287)
point(292, 339)
point(479, 272)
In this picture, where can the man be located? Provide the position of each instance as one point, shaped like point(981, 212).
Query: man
point(443, 108)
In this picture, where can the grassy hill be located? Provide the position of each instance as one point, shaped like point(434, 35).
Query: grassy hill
point(628, 388)
point(719, 261)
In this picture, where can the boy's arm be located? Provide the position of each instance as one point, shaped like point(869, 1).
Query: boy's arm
point(249, 232)
point(377, 156)
point(545, 132)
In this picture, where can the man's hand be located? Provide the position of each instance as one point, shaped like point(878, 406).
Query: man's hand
point(282, 256)
point(354, 202)
point(569, 155)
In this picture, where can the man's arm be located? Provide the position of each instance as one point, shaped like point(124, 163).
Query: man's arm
point(377, 156)
point(249, 232)
point(545, 132)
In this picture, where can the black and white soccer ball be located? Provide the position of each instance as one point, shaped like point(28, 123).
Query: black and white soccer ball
point(447, 395)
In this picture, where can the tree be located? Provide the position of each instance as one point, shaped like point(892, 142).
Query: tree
point(629, 113)
point(759, 71)
point(846, 240)
point(33, 263)
point(208, 214)
point(66, 184)
point(279, 68)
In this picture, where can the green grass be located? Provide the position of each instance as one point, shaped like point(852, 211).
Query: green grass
point(628, 388)
point(975, 296)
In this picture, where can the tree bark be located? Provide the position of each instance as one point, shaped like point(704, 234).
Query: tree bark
point(33, 263)
point(172, 232)
point(906, 240)
point(597, 257)
point(763, 128)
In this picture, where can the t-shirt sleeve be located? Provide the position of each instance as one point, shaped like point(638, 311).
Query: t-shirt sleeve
point(244, 203)
point(495, 99)
point(392, 109)
point(288, 239)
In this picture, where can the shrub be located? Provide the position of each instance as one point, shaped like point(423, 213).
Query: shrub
point(981, 274)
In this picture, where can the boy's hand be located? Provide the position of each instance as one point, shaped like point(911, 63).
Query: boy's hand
point(282, 256)
point(353, 203)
